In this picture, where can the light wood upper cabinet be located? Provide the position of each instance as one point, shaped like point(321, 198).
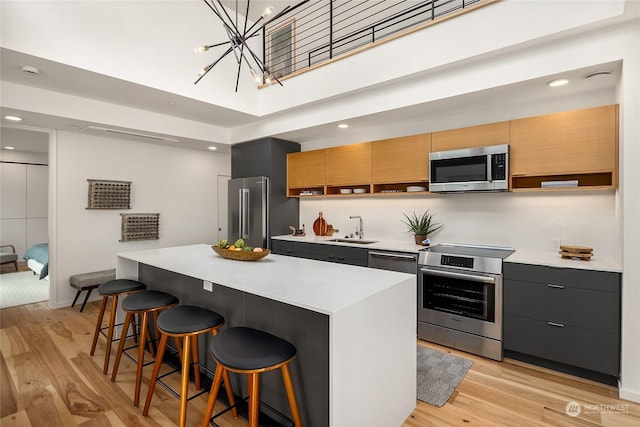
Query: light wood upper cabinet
point(572, 142)
point(306, 169)
point(349, 164)
point(470, 137)
point(400, 160)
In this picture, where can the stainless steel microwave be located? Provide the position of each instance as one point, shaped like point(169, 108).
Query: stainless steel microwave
point(470, 169)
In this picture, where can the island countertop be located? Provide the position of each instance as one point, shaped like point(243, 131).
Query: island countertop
point(313, 285)
point(347, 323)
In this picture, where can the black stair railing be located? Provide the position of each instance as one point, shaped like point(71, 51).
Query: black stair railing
point(321, 30)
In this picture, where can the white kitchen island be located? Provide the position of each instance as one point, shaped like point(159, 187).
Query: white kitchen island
point(354, 327)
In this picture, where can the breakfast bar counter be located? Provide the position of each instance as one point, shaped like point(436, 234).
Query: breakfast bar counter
point(354, 327)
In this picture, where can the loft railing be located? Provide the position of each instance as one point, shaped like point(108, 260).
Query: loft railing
point(321, 30)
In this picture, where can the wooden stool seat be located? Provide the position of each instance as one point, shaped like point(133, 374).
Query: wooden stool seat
point(251, 351)
point(185, 323)
point(142, 303)
point(111, 289)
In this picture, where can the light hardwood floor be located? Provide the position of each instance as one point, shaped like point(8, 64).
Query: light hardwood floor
point(47, 378)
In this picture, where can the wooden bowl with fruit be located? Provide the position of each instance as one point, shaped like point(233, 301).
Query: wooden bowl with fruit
point(239, 251)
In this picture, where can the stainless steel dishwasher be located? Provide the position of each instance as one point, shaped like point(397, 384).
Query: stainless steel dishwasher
point(403, 262)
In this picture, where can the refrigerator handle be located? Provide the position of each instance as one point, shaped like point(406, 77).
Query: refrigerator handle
point(244, 213)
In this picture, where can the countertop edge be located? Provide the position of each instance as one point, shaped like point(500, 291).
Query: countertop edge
point(548, 259)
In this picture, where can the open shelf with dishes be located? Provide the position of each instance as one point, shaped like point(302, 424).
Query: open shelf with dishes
point(401, 188)
point(579, 181)
point(348, 190)
point(306, 191)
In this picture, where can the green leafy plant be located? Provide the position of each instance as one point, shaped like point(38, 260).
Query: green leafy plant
point(423, 224)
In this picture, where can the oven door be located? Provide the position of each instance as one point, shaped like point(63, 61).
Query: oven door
point(465, 301)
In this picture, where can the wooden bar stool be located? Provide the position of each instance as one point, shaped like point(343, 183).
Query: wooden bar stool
point(250, 351)
point(142, 303)
point(183, 322)
point(111, 289)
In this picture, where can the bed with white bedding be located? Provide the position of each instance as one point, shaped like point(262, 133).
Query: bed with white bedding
point(37, 257)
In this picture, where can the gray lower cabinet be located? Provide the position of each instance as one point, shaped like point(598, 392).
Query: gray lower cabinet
point(321, 252)
point(308, 330)
point(563, 315)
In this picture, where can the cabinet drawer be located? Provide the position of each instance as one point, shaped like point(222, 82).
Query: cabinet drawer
point(586, 279)
point(342, 254)
point(295, 249)
point(322, 252)
point(593, 350)
point(583, 308)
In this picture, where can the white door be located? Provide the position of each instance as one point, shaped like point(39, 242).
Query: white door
point(223, 202)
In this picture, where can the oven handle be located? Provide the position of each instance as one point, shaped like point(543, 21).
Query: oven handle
point(392, 255)
point(470, 277)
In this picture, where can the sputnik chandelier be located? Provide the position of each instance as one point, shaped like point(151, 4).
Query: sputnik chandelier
point(238, 41)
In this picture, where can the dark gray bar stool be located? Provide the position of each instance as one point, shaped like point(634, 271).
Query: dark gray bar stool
point(142, 303)
point(250, 351)
point(183, 322)
point(111, 289)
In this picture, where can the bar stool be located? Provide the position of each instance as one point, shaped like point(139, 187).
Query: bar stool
point(250, 351)
point(141, 303)
point(111, 289)
point(183, 322)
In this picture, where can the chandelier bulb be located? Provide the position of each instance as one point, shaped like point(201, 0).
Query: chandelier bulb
point(201, 49)
point(202, 72)
point(267, 79)
point(255, 76)
point(267, 12)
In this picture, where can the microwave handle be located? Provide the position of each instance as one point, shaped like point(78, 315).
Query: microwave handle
point(490, 168)
point(452, 275)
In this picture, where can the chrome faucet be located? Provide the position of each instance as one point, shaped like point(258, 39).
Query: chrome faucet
point(360, 230)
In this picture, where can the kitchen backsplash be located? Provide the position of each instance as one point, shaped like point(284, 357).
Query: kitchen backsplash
point(526, 221)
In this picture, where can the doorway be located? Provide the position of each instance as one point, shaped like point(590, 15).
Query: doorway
point(24, 212)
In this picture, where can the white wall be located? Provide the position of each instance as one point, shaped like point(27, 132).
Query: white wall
point(180, 184)
point(525, 221)
point(24, 157)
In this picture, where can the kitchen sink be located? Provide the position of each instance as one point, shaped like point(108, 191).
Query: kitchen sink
point(357, 241)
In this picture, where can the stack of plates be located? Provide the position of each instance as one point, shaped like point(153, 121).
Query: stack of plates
point(414, 188)
point(359, 190)
point(345, 191)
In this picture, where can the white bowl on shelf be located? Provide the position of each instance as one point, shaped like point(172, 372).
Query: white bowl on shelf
point(359, 190)
point(345, 191)
point(415, 188)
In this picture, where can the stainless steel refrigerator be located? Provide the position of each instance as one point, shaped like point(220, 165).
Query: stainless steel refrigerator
point(249, 210)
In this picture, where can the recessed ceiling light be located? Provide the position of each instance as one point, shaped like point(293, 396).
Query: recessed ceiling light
point(343, 125)
point(9, 148)
point(13, 118)
point(30, 70)
point(212, 148)
point(558, 82)
point(598, 73)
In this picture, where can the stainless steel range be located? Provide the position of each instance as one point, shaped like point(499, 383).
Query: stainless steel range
point(460, 297)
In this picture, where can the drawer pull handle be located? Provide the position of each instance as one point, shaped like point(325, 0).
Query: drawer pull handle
point(551, 285)
point(557, 325)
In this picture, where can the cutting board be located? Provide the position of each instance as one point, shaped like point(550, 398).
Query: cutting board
point(583, 256)
point(320, 226)
point(572, 251)
point(576, 249)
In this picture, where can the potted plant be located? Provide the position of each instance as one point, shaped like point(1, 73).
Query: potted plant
point(421, 225)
